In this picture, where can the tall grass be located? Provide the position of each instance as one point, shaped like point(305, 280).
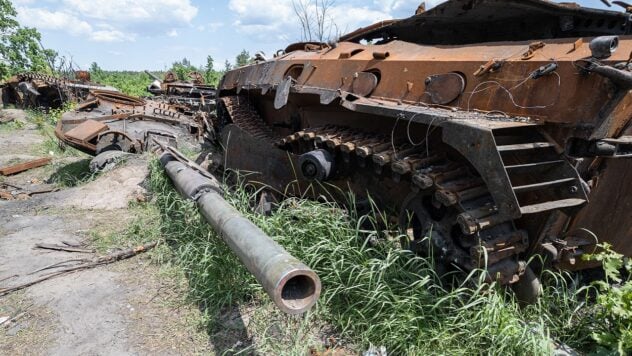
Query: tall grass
point(373, 294)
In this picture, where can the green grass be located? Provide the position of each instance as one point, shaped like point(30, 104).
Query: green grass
point(373, 294)
point(128, 82)
point(11, 126)
point(73, 174)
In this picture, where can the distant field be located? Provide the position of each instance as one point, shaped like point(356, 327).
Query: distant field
point(128, 82)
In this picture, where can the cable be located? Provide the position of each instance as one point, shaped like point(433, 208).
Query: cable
point(511, 97)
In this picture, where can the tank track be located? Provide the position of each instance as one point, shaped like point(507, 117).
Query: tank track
point(241, 112)
point(449, 184)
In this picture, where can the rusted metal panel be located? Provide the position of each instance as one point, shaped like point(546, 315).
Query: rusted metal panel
point(86, 131)
point(114, 121)
point(609, 213)
point(487, 120)
point(467, 21)
point(25, 166)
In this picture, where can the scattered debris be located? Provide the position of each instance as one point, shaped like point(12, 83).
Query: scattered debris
point(10, 115)
point(63, 248)
point(111, 121)
point(14, 192)
point(9, 320)
point(82, 264)
point(24, 166)
point(107, 160)
point(42, 91)
point(194, 94)
point(375, 351)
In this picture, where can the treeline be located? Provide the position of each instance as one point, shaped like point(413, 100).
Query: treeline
point(21, 47)
point(21, 50)
point(135, 83)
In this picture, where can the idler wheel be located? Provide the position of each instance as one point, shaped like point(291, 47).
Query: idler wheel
point(316, 165)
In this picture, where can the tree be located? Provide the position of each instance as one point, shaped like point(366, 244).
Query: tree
point(211, 75)
point(227, 66)
point(183, 68)
point(209, 63)
point(243, 59)
point(20, 47)
point(95, 69)
point(316, 23)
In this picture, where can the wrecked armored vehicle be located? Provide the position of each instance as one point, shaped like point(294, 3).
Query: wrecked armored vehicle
point(42, 91)
point(501, 129)
point(193, 95)
point(111, 121)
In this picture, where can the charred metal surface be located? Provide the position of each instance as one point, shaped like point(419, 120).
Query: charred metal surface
point(193, 95)
point(475, 21)
point(41, 91)
point(108, 120)
point(499, 149)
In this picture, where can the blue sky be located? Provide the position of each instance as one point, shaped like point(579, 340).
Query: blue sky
point(151, 34)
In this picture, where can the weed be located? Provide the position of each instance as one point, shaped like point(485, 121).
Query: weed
point(73, 174)
point(12, 126)
point(614, 303)
point(373, 294)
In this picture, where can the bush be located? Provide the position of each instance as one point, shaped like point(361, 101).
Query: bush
point(373, 294)
point(613, 326)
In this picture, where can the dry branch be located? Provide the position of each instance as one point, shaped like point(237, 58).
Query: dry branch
point(63, 248)
point(99, 261)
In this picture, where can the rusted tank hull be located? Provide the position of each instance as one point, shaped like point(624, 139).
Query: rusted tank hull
point(42, 91)
point(499, 149)
point(108, 120)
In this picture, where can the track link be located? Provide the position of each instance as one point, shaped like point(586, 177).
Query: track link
point(471, 235)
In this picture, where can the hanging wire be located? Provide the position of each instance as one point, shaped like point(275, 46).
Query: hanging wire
point(511, 96)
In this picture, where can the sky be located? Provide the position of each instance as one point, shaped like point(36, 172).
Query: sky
point(152, 34)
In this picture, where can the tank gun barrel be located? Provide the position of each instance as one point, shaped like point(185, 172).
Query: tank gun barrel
point(292, 285)
point(153, 76)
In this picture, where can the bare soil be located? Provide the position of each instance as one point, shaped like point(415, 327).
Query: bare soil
point(127, 308)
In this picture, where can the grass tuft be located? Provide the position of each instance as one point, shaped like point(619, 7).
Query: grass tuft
point(73, 174)
point(373, 294)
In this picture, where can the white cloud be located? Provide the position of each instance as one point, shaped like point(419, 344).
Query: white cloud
point(109, 20)
point(214, 26)
point(53, 20)
point(44, 19)
point(111, 36)
point(271, 20)
point(349, 18)
point(404, 8)
point(161, 11)
point(262, 17)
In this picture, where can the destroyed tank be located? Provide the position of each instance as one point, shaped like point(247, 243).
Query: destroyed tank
point(500, 129)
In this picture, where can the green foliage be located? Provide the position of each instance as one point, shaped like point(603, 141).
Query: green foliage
point(73, 174)
point(243, 59)
point(183, 68)
point(211, 76)
point(614, 303)
point(373, 294)
point(129, 82)
point(227, 66)
point(20, 47)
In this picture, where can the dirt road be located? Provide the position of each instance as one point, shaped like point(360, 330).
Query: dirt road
point(127, 308)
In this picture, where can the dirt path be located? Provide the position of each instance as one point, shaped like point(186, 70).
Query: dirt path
point(121, 309)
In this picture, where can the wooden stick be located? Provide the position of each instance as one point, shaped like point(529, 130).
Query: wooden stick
point(63, 248)
point(21, 167)
point(103, 260)
point(59, 264)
